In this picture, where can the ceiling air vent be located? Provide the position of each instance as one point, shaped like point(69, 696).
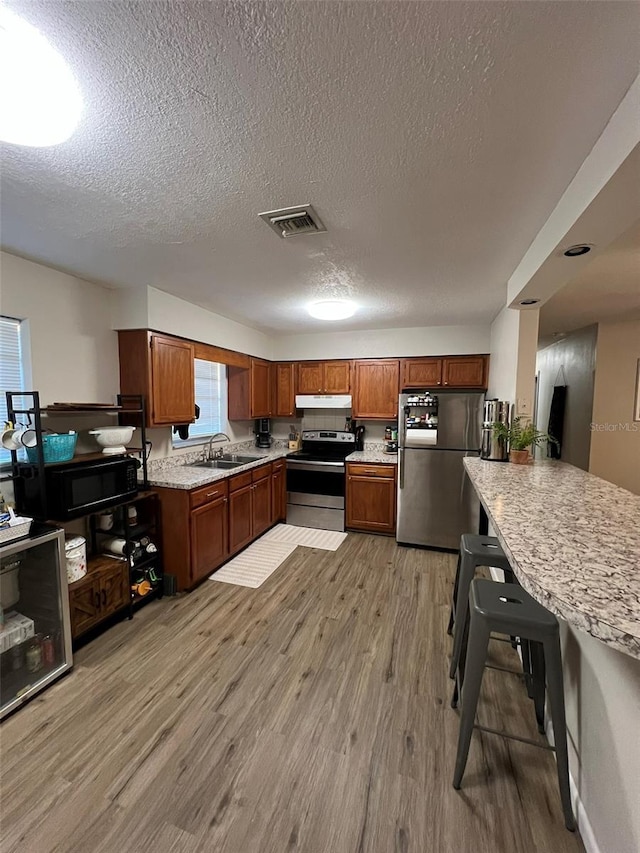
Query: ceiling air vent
point(291, 221)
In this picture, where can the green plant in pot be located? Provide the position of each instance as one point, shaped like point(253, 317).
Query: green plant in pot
point(520, 436)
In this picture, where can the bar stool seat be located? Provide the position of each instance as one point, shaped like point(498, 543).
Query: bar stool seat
point(507, 608)
point(475, 551)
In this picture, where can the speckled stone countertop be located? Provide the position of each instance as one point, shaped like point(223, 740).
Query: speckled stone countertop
point(185, 476)
point(573, 541)
point(378, 456)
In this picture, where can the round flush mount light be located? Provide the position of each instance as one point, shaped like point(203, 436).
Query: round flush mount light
point(527, 302)
point(332, 309)
point(577, 250)
point(40, 101)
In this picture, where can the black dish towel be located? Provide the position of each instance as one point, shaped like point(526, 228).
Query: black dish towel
point(556, 421)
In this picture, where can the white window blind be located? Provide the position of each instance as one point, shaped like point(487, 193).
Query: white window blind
point(211, 396)
point(11, 369)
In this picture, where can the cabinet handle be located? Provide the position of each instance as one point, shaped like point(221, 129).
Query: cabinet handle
point(104, 597)
point(97, 600)
point(438, 382)
point(225, 500)
point(211, 494)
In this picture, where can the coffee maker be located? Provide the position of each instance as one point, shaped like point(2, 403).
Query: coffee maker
point(493, 447)
point(263, 432)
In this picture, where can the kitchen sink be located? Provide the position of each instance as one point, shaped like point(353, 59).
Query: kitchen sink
point(237, 457)
point(217, 463)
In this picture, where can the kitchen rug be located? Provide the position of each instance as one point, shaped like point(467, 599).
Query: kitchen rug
point(308, 537)
point(254, 565)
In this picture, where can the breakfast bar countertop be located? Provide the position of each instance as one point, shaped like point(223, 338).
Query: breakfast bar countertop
point(573, 541)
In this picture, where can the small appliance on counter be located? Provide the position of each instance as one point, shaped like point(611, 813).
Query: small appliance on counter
point(493, 447)
point(263, 433)
point(359, 434)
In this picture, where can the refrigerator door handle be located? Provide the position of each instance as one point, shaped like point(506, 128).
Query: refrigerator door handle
point(401, 467)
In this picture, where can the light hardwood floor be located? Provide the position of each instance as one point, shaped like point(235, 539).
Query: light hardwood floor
point(310, 715)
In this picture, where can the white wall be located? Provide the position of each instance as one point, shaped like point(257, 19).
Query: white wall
point(381, 343)
point(74, 351)
point(615, 447)
point(503, 365)
point(169, 314)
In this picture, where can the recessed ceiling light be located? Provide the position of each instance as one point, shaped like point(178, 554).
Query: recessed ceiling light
point(40, 101)
point(529, 302)
point(332, 309)
point(577, 250)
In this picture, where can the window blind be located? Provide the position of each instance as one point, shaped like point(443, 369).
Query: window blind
point(11, 369)
point(211, 396)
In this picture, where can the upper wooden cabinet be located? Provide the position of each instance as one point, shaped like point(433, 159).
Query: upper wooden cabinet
point(250, 391)
point(284, 392)
point(161, 368)
point(376, 388)
point(420, 372)
point(324, 377)
point(459, 371)
point(465, 371)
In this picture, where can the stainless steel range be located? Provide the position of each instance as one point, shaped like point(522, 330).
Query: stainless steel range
point(316, 479)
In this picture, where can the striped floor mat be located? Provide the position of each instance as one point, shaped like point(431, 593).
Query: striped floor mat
point(255, 564)
point(309, 537)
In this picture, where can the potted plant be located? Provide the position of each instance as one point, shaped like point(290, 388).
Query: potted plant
point(520, 437)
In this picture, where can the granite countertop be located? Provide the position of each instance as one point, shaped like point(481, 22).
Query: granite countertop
point(186, 476)
point(573, 541)
point(377, 456)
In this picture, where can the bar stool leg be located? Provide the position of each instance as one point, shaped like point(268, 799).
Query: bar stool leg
point(466, 575)
point(538, 680)
point(455, 597)
point(474, 669)
point(553, 658)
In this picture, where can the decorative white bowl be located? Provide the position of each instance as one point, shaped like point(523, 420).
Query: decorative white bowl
point(113, 439)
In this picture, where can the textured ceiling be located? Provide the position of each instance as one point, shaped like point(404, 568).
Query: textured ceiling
point(434, 139)
point(607, 289)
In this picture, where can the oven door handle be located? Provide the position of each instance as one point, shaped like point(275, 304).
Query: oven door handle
point(338, 467)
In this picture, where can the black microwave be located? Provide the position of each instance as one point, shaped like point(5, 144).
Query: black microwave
point(75, 489)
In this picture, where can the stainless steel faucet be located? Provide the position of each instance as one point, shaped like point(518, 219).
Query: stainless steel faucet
point(218, 452)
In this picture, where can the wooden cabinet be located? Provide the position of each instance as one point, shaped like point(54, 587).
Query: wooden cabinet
point(324, 377)
point(209, 538)
point(249, 506)
point(371, 498)
point(376, 389)
point(457, 371)
point(261, 501)
point(249, 391)
point(420, 372)
point(160, 368)
point(103, 591)
point(278, 491)
point(284, 392)
point(468, 371)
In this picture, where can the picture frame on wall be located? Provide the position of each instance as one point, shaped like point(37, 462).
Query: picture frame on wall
point(636, 405)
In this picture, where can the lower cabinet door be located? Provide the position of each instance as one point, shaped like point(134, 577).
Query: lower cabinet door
point(371, 504)
point(278, 495)
point(261, 505)
point(84, 604)
point(240, 518)
point(115, 591)
point(209, 543)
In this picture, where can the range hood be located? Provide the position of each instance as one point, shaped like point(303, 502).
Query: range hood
point(323, 401)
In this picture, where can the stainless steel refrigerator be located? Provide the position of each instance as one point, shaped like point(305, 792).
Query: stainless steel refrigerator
point(436, 502)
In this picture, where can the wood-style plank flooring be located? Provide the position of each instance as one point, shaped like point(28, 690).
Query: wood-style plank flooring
point(310, 715)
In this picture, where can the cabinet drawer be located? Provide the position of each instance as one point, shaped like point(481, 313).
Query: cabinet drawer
point(239, 481)
point(211, 492)
point(278, 466)
point(387, 472)
point(260, 473)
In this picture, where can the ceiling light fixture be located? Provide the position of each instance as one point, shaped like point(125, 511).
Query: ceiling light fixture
point(40, 101)
point(577, 250)
point(526, 302)
point(332, 309)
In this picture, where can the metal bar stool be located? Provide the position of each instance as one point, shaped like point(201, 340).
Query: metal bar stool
point(475, 551)
point(508, 609)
